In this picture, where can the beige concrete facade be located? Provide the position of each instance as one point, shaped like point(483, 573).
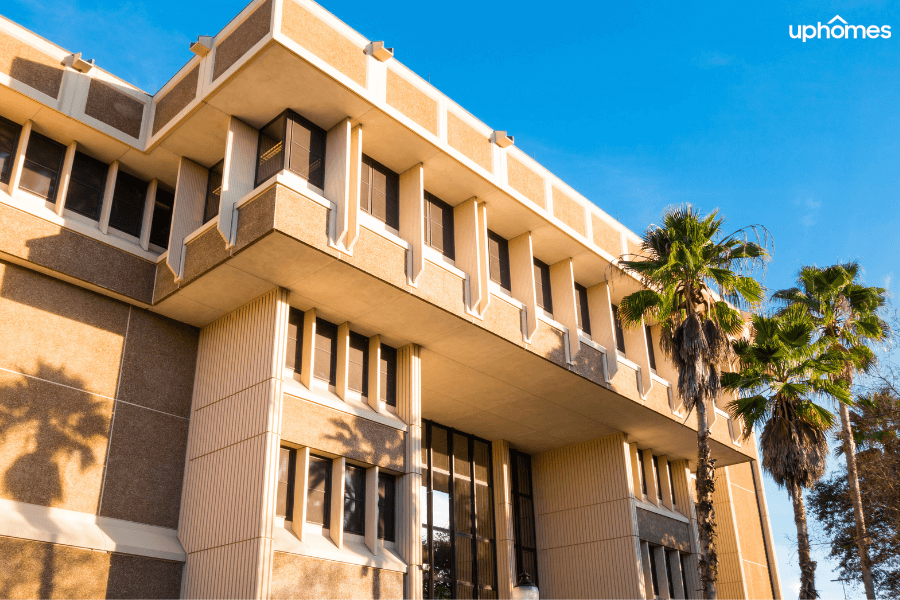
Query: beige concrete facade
point(239, 408)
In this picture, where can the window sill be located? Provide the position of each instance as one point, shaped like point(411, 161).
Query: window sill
point(626, 362)
point(659, 379)
point(201, 230)
point(294, 183)
point(294, 388)
point(439, 260)
point(589, 342)
point(660, 510)
point(542, 316)
point(377, 227)
point(317, 543)
point(502, 294)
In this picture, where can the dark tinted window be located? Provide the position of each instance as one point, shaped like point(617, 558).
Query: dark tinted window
point(355, 500)
point(387, 371)
point(86, 186)
point(9, 140)
point(523, 509)
point(387, 506)
point(43, 163)
point(128, 204)
point(650, 352)
point(379, 192)
point(620, 333)
point(672, 485)
point(658, 480)
point(307, 150)
point(642, 473)
point(358, 364)
point(669, 572)
point(318, 491)
point(498, 257)
point(270, 156)
point(542, 286)
point(213, 192)
point(325, 359)
point(162, 217)
point(284, 503)
point(581, 301)
point(653, 575)
point(294, 352)
point(439, 225)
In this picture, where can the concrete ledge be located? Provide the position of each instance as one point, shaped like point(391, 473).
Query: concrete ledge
point(320, 546)
point(83, 530)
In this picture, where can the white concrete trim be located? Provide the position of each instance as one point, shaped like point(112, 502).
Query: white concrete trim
point(317, 543)
point(378, 227)
point(439, 260)
point(83, 530)
point(500, 293)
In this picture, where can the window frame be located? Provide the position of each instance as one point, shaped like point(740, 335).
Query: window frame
point(6, 171)
point(392, 192)
point(619, 331)
point(447, 226)
point(332, 367)
point(289, 491)
point(582, 312)
point(360, 500)
point(502, 257)
point(213, 200)
point(642, 473)
point(518, 542)
point(74, 177)
point(117, 200)
point(651, 353)
point(154, 220)
point(55, 179)
point(390, 533)
point(326, 524)
point(544, 295)
point(363, 390)
point(290, 117)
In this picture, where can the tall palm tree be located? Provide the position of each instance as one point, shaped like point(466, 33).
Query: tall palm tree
point(781, 374)
point(690, 269)
point(845, 312)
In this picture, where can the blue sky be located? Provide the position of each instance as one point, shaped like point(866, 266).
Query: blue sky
point(636, 105)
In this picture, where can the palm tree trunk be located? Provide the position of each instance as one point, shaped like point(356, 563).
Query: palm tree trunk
point(706, 516)
point(807, 564)
point(856, 498)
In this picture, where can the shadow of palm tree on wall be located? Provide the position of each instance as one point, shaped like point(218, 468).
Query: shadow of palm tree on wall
point(49, 426)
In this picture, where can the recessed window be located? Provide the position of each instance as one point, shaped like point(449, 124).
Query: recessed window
point(523, 511)
point(669, 572)
point(650, 352)
point(672, 485)
point(354, 500)
point(294, 352)
point(86, 186)
point(162, 217)
point(43, 164)
point(439, 225)
point(358, 367)
point(325, 358)
point(294, 143)
point(379, 192)
point(654, 578)
point(387, 507)
point(542, 286)
point(9, 141)
point(284, 503)
point(498, 256)
point(129, 197)
point(658, 479)
point(318, 491)
point(642, 474)
point(213, 192)
point(620, 333)
point(388, 375)
point(683, 573)
point(581, 309)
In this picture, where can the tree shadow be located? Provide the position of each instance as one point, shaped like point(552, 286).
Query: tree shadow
point(53, 423)
point(371, 442)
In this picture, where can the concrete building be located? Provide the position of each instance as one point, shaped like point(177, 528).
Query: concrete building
point(300, 326)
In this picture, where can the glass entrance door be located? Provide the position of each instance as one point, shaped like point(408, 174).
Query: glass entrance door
point(458, 522)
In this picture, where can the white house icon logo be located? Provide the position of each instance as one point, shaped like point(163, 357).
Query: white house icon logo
point(838, 31)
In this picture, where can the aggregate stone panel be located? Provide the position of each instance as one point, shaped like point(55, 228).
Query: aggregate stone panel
point(296, 577)
point(412, 102)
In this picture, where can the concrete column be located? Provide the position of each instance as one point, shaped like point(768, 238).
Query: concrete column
point(674, 564)
point(231, 473)
point(603, 329)
point(372, 509)
point(238, 175)
point(15, 174)
point(109, 190)
point(374, 398)
point(521, 267)
point(309, 348)
point(64, 177)
point(484, 265)
point(636, 474)
point(301, 479)
point(636, 351)
point(149, 206)
point(664, 482)
point(504, 520)
point(336, 523)
point(468, 251)
point(650, 477)
point(647, 571)
point(767, 529)
point(662, 574)
point(337, 175)
point(412, 217)
point(565, 310)
point(409, 522)
point(343, 357)
point(352, 234)
point(187, 214)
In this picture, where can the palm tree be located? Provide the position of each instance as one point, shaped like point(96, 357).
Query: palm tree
point(845, 312)
point(782, 371)
point(690, 269)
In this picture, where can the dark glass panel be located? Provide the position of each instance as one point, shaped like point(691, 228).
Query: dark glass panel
point(358, 364)
point(129, 196)
point(465, 564)
point(542, 286)
point(43, 163)
point(653, 575)
point(461, 466)
point(162, 217)
point(439, 225)
point(388, 375)
point(9, 141)
point(284, 500)
point(213, 192)
point(462, 504)
point(486, 567)
point(620, 333)
point(307, 151)
point(584, 317)
point(270, 157)
point(355, 500)
point(498, 255)
point(439, 448)
point(294, 353)
point(86, 186)
point(318, 499)
point(387, 502)
point(484, 525)
point(651, 354)
point(642, 474)
point(325, 362)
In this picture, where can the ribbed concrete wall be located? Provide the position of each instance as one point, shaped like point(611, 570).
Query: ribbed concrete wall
point(228, 506)
point(587, 540)
point(409, 517)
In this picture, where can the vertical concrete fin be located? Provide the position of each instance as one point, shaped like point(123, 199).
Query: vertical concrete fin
point(565, 310)
point(484, 263)
point(521, 266)
point(602, 325)
point(337, 175)
point(187, 214)
point(238, 174)
point(412, 216)
point(465, 226)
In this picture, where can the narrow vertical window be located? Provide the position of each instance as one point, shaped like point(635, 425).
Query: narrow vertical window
point(439, 225)
point(379, 192)
point(387, 372)
point(162, 217)
point(387, 507)
point(668, 555)
point(43, 163)
point(654, 578)
point(542, 286)
point(354, 500)
point(620, 333)
point(294, 351)
point(213, 192)
point(581, 301)
point(358, 364)
point(284, 503)
point(270, 154)
point(650, 352)
point(9, 141)
point(325, 359)
point(672, 486)
point(318, 491)
point(498, 255)
point(523, 513)
point(643, 473)
point(307, 150)
point(658, 479)
point(687, 594)
point(86, 186)
point(127, 211)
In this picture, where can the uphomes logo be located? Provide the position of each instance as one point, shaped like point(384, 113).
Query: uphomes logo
point(839, 31)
